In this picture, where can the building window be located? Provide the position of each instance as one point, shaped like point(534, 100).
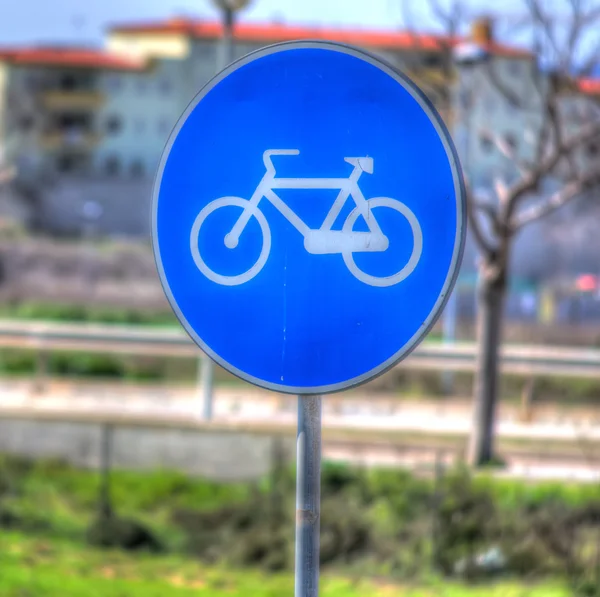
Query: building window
point(513, 102)
point(32, 82)
point(433, 60)
point(113, 124)
point(464, 98)
point(514, 68)
point(206, 50)
point(113, 165)
point(139, 126)
point(68, 82)
point(114, 83)
point(137, 169)
point(486, 144)
point(72, 163)
point(511, 140)
point(593, 150)
point(65, 164)
point(26, 123)
point(165, 86)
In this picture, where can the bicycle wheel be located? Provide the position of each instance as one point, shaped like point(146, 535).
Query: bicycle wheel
point(265, 248)
point(409, 267)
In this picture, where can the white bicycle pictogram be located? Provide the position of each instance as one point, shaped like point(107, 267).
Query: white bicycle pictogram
point(321, 241)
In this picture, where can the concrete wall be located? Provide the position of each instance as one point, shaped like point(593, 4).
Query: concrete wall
point(222, 456)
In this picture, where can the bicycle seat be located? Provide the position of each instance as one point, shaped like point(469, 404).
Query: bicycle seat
point(365, 164)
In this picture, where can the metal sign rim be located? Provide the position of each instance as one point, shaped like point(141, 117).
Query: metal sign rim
point(459, 190)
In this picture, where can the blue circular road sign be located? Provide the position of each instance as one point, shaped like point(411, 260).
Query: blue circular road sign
point(308, 217)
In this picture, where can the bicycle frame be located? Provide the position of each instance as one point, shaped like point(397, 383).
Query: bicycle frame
point(347, 187)
point(320, 241)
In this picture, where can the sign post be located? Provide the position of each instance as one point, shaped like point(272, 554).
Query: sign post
point(308, 495)
point(308, 227)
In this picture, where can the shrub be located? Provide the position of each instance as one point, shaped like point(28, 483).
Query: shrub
point(122, 533)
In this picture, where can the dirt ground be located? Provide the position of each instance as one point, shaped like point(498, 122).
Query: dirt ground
point(101, 274)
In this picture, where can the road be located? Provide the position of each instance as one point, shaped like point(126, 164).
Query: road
point(415, 426)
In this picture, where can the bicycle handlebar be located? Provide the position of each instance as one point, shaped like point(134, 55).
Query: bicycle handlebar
point(271, 152)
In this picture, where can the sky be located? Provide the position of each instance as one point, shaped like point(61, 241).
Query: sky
point(83, 21)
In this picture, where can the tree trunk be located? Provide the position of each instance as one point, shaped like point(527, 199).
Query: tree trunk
point(491, 290)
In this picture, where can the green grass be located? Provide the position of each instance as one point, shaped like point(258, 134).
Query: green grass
point(47, 552)
point(52, 493)
point(31, 567)
point(18, 364)
point(63, 312)
point(56, 499)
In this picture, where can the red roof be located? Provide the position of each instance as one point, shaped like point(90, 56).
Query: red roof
point(68, 56)
point(590, 86)
point(270, 33)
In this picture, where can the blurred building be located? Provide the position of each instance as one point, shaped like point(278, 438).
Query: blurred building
point(52, 128)
point(189, 54)
point(51, 104)
point(87, 127)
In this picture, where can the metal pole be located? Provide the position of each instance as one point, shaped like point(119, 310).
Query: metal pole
point(227, 47)
point(106, 510)
point(205, 385)
point(308, 496)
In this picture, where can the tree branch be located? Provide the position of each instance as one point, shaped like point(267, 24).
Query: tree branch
point(544, 20)
point(506, 149)
point(500, 86)
point(557, 200)
point(550, 131)
point(531, 182)
point(590, 62)
point(487, 208)
point(473, 206)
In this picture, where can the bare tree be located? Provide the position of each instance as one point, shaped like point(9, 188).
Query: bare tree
point(552, 171)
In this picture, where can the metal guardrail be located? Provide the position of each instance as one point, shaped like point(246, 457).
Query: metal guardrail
point(520, 360)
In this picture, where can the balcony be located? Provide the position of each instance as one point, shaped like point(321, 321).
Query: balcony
point(71, 140)
point(76, 99)
point(432, 77)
